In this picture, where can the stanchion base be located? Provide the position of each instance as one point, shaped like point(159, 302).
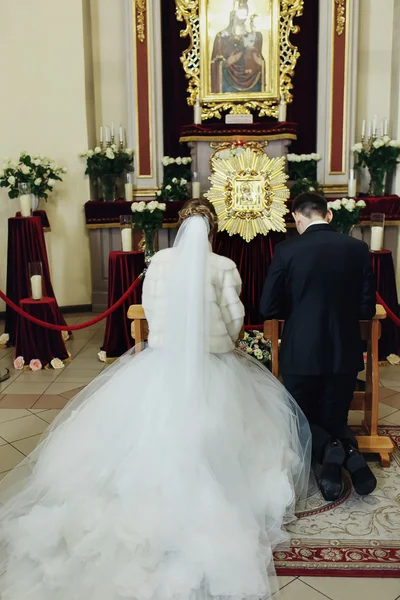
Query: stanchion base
point(4, 375)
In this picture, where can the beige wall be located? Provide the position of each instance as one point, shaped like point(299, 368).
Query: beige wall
point(109, 25)
point(43, 110)
point(374, 59)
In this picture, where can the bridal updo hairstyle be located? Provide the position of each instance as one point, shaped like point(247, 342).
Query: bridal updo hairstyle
point(199, 207)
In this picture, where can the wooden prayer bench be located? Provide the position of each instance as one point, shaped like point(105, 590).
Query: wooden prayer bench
point(367, 401)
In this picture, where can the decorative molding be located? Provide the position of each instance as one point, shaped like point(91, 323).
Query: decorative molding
point(340, 16)
point(141, 8)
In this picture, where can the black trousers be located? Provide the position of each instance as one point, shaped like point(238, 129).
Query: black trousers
point(325, 401)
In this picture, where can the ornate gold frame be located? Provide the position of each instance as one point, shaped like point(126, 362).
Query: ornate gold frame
point(188, 11)
point(248, 189)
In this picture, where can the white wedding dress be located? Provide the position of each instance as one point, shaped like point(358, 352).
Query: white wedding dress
point(169, 477)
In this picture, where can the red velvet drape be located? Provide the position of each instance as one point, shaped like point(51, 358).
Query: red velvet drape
point(33, 341)
point(303, 111)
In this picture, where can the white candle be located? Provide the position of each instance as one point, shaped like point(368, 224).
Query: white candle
point(363, 128)
point(197, 113)
point(26, 204)
point(101, 134)
point(369, 129)
point(386, 127)
point(108, 139)
point(352, 188)
point(126, 238)
point(195, 189)
point(376, 238)
point(128, 192)
point(375, 125)
point(121, 135)
point(36, 286)
point(112, 128)
point(282, 112)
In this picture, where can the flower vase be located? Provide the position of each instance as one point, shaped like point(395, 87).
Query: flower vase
point(149, 244)
point(108, 183)
point(377, 183)
point(34, 202)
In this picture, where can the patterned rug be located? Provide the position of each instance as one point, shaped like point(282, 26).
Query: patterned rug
point(354, 536)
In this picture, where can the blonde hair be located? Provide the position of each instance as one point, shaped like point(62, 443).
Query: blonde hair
point(202, 208)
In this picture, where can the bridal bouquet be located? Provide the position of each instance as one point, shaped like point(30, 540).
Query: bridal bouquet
point(40, 172)
point(346, 214)
point(303, 171)
point(177, 175)
point(379, 156)
point(256, 345)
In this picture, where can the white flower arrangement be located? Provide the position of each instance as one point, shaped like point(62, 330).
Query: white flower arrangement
point(148, 206)
point(348, 204)
point(177, 174)
point(180, 160)
point(303, 157)
point(148, 215)
point(228, 153)
point(303, 171)
point(346, 213)
point(380, 157)
point(40, 172)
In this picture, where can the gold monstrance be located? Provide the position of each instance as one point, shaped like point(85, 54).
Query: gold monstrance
point(248, 190)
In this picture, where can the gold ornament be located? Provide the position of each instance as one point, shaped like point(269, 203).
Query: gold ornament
point(248, 190)
point(140, 8)
point(340, 16)
point(188, 11)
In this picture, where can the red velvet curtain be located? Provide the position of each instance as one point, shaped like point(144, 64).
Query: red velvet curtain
point(177, 113)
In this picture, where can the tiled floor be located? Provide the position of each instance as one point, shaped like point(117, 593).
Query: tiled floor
point(30, 401)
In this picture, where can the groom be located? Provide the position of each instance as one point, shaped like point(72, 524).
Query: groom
point(322, 284)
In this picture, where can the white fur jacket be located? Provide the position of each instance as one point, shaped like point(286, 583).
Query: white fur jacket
point(227, 311)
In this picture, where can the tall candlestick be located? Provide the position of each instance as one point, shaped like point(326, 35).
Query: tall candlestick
point(386, 127)
point(363, 129)
point(375, 125)
point(101, 134)
point(121, 135)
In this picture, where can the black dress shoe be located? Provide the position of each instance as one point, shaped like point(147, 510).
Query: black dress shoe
point(330, 481)
point(363, 479)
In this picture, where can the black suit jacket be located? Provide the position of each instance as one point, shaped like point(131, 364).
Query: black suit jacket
point(322, 284)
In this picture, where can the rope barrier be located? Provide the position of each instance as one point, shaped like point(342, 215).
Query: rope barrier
point(392, 316)
point(118, 303)
point(105, 314)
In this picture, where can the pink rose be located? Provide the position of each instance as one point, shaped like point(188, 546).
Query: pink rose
point(35, 364)
point(19, 363)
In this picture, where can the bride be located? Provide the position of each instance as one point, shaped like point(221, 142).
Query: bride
point(170, 476)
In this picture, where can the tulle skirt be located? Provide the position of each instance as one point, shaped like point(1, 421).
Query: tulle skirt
point(140, 492)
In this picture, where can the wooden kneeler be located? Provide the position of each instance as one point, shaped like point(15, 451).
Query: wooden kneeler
point(367, 401)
